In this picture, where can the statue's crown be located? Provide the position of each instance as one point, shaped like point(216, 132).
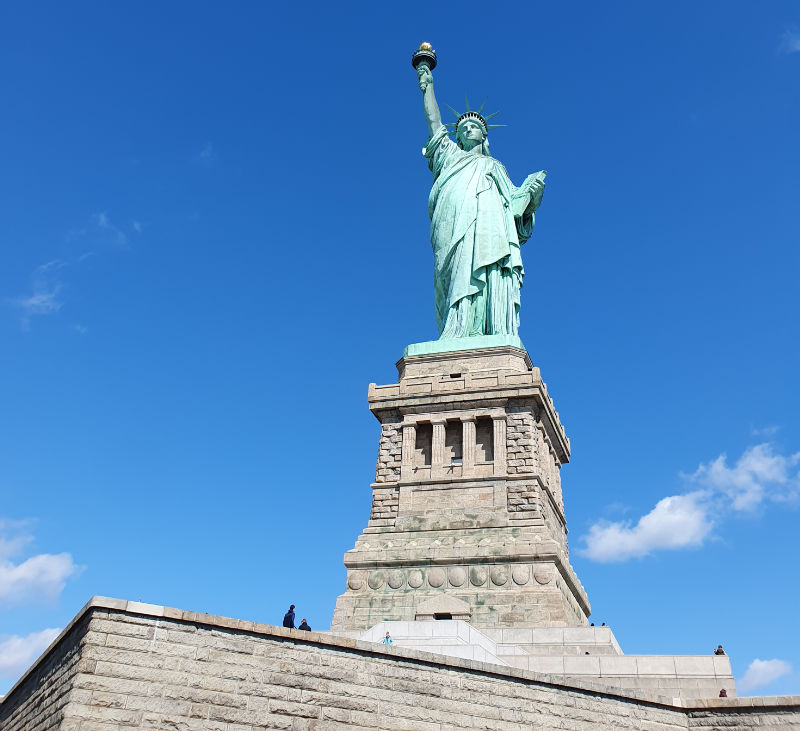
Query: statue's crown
point(475, 116)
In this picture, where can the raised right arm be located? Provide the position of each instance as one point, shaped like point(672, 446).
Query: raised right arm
point(432, 114)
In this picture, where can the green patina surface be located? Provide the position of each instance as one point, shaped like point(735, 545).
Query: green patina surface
point(479, 220)
point(451, 345)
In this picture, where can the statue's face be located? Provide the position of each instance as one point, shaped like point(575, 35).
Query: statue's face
point(470, 134)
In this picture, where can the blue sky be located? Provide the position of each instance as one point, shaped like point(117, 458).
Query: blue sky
point(214, 235)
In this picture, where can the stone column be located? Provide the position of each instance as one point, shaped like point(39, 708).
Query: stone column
point(499, 429)
point(437, 450)
point(407, 457)
point(468, 441)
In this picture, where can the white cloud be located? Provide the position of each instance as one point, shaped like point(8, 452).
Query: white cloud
point(790, 42)
point(137, 226)
point(18, 653)
point(678, 521)
point(39, 578)
point(44, 299)
point(763, 672)
point(685, 521)
point(36, 579)
point(12, 546)
point(758, 474)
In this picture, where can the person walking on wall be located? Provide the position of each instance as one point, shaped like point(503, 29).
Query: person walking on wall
point(288, 618)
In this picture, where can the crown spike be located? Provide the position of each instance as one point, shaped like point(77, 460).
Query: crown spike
point(480, 108)
point(472, 114)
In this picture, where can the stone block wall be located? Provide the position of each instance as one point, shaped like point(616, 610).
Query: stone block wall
point(549, 467)
point(143, 666)
point(390, 448)
point(385, 503)
point(523, 500)
point(37, 703)
point(520, 440)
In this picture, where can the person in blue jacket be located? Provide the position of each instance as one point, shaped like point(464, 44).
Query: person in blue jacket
point(288, 618)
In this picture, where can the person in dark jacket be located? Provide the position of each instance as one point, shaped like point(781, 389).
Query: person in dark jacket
point(288, 618)
point(304, 626)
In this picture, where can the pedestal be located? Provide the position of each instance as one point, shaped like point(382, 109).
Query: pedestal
point(467, 509)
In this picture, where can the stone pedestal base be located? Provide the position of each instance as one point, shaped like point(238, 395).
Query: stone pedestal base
point(467, 498)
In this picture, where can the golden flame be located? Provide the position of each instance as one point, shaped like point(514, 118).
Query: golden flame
point(425, 46)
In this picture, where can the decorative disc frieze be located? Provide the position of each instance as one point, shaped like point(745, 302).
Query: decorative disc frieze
point(396, 579)
point(436, 578)
point(499, 575)
point(457, 576)
point(356, 581)
point(543, 576)
point(521, 574)
point(478, 575)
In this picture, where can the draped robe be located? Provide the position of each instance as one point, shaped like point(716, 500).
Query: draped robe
point(476, 239)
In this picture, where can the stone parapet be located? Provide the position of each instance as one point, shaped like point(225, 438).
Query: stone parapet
point(131, 665)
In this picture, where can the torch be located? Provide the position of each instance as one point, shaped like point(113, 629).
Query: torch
point(424, 55)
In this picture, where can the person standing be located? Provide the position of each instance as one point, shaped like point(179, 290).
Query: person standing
point(288, 618)
point(387, 640)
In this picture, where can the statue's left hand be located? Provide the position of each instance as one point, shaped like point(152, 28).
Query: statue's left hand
point(536, 184)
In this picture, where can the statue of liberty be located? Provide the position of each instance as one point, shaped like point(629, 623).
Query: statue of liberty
point(479, 219)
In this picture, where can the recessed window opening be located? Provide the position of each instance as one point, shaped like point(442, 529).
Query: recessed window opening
point(422, 448)
point(455, 375)
point(453, 442)
point(442, 615)
point(484, 439)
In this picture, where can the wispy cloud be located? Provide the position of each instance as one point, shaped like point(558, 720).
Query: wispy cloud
point(17, 653)
point(40, 578)
point(111, 232)
point(765, 431)
point(790, 42)
point(45, 297)
point(207, 154)
point(686, 520)
point(47, 290)
point(763, 672)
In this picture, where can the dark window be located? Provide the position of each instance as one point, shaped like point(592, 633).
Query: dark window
point(484, 437)
point(422, 448)
point(453, 435)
